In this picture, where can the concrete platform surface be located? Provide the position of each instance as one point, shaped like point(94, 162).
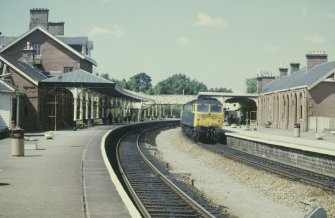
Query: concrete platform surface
point(65, 177)
point(308, 141)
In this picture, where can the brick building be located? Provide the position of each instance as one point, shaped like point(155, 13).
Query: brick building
point(305, 96)
point(53, 75)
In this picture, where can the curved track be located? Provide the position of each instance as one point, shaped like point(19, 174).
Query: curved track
point(153, 193)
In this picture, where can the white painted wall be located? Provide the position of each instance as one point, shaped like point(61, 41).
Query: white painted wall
point(5, 110)
point(318, 124)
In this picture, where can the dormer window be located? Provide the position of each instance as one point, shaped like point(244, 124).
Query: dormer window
point(37, 49)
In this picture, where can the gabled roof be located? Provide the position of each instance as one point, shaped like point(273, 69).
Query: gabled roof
point(77, 76)
point(301, 78)
point(83, 79)
point(46, 32)
point(24, 69)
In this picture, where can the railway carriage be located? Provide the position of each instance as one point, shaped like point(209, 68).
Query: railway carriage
point(202, 119)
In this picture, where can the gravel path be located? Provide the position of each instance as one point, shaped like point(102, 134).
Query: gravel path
point(245, 191)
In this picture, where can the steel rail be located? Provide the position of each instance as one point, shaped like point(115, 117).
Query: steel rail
point(132, 192)
point(164, 180)
point(283, 169)
point(199, 208)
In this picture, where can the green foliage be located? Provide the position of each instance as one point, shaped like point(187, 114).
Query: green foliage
point(122, 83)
point(251, 84)
point(141, 82)
point(105, 76)
point(179, 84)
point(220, 90)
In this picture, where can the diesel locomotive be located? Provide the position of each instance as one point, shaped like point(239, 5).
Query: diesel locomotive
point(202, 119)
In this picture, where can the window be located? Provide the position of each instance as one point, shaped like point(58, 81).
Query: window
point(216, 108)
point(202, 108)
point(68, 69)
point(37, 49)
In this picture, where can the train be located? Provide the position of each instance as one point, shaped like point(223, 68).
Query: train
point(202, 119)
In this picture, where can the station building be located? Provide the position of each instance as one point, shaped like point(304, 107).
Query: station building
point(305, 96)
point(47, 81)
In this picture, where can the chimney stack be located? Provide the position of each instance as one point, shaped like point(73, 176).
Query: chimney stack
point(56, 28)
point(295, 66)
point(315, 58)
point(39, 16)
point(263, 79)
point(283, 71)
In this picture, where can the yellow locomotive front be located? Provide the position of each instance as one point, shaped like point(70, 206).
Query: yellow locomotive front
point(202, 120)
point(208, 115)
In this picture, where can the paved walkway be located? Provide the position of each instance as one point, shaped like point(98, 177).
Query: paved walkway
point(67, 177)
point(283, 137)
point(51, 181)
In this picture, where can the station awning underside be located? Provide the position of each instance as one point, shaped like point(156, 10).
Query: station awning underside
point(82, 79)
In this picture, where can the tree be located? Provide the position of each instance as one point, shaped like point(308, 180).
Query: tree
point(220, 90)
point(122, 83)
point(251, 84)
point(141, 82)
point(105, 76)
point(179, 84)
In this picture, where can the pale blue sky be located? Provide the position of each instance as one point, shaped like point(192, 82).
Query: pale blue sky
point(218, 42)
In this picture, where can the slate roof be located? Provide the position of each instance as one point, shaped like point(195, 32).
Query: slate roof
point(83, 79)
point(300, 78)
point(25, 68)
point(74, 40)
point(5, 40)
point(77, 76)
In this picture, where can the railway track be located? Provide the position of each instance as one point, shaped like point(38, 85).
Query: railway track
point(291, 172)
point(154, 194)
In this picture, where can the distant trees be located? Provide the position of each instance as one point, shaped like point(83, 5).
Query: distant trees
point(176, 84)
point(220, 90)
point(251, 84)
point(104, 75)
point(179, 84)
point(141, 82)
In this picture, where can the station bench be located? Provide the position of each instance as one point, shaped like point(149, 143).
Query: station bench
point(97, 121)
point(80, 124)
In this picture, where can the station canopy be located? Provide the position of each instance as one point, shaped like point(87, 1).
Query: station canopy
point(82, 79)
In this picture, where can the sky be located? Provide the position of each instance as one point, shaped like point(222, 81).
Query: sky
point(218, 42)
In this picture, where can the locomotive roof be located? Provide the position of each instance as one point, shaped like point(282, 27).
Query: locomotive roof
point(205, 101)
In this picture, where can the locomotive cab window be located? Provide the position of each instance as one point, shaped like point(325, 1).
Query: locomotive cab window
point(202, 108)
point(216, 108)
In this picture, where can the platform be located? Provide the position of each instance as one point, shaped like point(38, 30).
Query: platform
point(308, 141)
point(67, 177)
point(64, 177)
